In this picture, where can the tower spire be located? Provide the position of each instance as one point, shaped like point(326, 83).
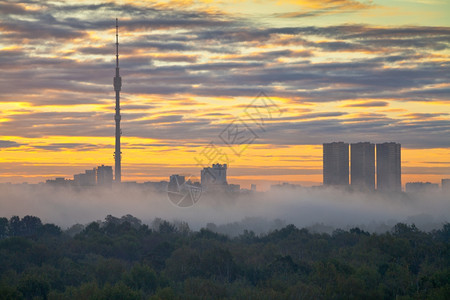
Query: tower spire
point(117, 117)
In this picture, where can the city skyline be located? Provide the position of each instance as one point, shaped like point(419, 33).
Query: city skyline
point(189, 71)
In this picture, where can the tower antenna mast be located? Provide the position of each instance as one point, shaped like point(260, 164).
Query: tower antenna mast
point(117, 117)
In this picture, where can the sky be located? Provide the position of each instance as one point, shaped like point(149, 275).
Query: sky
point(259, 85)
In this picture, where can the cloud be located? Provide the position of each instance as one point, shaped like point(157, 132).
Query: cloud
point(37, 30)
point(273, 55)
point(68, 146)
point(63, 55)
point(316, 8)
point(8, 144)
point(322, 115)
point(12, 8)
point(368, 104)
point(424, 115)
point(128, 107)
point(176, 58)
point(40, 124)
point(328, 3)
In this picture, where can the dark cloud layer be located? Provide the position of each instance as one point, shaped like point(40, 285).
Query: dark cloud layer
point(53, 59)
point(8, 144)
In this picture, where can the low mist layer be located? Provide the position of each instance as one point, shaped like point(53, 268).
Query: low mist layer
point(318, 209)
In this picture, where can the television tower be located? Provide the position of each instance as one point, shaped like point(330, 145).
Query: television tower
point(117, 117)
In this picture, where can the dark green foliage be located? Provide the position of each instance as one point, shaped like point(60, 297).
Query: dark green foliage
point(9, 293)
point(3, 228)
point(50, 229)
point(14, 226)
point(202, 258)
point(167, 228)
point(118, 292)
point(32, 286)
point(196, 288)
point(208, 234)
point(122, 259)
point(141, 277)
point(109, 270)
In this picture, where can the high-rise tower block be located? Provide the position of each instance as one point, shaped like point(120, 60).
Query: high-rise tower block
point(335, 163)
point(389, 170)
point(363, 165)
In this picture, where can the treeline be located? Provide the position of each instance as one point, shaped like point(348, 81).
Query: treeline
point(121, 258)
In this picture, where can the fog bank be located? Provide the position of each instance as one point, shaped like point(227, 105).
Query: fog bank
point(260, 212)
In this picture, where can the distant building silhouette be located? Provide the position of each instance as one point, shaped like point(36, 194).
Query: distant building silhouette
point(362, 166)
point(104, 175)
point(234, 188)
point(445, 185)
point(421, 187)
point(214, 176)
point(389, 167)
point(285, 186)
point(335, 163)
point(158, 186)
point(59, 181)
point(176, 180)
point(182, 192)
point(88, 178)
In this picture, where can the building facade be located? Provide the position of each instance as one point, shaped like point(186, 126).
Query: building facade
point(445, 185)
point(389, 167)
point(104, 175)
point(214, 176)
point(362, 167)
point(88, 178)
point(335, 164)
point(59, 181)
point(421, 187)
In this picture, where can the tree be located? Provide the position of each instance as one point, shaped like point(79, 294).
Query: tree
point(290, 263)
point(167, 228)
point(109, 270)
point(30, 225)
point(112, 220)
point(74, 229)
point(32, 286)
point(14, 226)
point(141, 277)
point(403, 230)
point(118, 291)
point(166, 293)
point(9, 293)
point(443, 234)
point(92, 228)
point(134, 222)
point(3, 228)
point(282, 265)
point(50, 229)
point(198, 288)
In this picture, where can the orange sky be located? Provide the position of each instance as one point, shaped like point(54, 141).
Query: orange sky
point(332, 71)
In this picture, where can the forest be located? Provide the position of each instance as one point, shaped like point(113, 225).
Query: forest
point(121, 258)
